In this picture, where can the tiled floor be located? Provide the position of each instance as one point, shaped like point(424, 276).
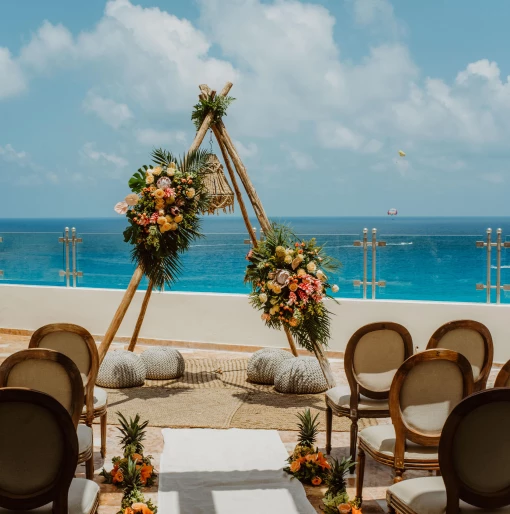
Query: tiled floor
point(377, 477)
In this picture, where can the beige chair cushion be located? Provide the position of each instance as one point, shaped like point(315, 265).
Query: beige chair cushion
point(71, 345)
point(381, 438)
point(100, 399)
point(341, 396)
point(83, 498)
point(377, 357)
point(467, 342)
point(43, 375)
point(84, 438)
point(427, 495)
point(429, 393)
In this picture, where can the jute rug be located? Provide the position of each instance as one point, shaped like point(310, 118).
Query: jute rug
point(215, 394)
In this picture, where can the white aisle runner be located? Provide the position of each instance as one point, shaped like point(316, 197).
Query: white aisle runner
point(206, 471)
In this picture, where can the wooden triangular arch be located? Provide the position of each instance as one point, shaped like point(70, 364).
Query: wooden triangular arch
point(230, 156)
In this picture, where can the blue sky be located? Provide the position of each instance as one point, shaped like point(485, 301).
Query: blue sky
point(327, 93)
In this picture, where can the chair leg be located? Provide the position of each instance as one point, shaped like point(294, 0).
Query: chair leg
point(354, 438)
point(360, 474)
point(398, 476)
point(103, 435)
point(329, 428)
point(89, 467)
point(438, 473)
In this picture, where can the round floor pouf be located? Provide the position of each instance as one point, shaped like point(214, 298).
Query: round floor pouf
point(262, 365)
point(120, 369)
point(163, 363)
point(302, 375)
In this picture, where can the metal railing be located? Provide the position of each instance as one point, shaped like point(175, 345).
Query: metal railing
point(365, 243)
point(489, 245)
point(70, 244)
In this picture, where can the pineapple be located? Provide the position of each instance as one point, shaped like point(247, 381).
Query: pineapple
point(308, 430)
point(336, 477)
point(133, 433)
point(131, 476)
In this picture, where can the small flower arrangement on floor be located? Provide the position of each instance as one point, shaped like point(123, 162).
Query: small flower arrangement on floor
point(307, 463)
point(310, 466)
point(133, 467)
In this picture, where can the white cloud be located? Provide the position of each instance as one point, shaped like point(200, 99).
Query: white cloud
point(334, 135)
point(9, 154)
point(378, 14)
point(493, 178)
point(152, 137)
point(372, 146)
point(246, 151)
point(112, 113)
point(300, 160)
point(12, 79)
point(89, 151)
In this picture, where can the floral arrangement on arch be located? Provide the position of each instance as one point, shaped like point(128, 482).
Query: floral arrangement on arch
point(289, 284)
point(133, 470)
point(163, 212)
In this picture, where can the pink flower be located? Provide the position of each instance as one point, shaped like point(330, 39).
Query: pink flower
point(292, 298)
point(303, 297)
point(169, 192)
point(154, 217)
point(121, 208)
point(174, 211)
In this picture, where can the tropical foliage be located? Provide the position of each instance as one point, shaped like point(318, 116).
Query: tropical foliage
point(289, 284)
point(163, 212)
point(218, 105)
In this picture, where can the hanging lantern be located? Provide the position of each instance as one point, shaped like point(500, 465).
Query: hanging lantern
point(220, 194)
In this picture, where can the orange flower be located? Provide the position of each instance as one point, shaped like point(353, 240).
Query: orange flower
point(145, 473)
point(316, 480)
point(311, 457)
point(128, 510)
point(114, 470)
point(137, 457)
point(141, 507)
point(295, 466)
point(323, 463)
point(118, 477)
point(356, 511)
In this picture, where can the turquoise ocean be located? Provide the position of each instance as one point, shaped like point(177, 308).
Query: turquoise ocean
point(424, 258)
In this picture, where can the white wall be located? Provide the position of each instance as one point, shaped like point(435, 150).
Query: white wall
point(229, 319)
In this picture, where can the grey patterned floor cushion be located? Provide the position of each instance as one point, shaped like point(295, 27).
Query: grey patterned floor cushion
point(163, 363)
point(121, 368)
point(302, 375)
point(262, 364)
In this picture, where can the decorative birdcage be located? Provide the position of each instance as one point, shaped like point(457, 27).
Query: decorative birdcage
point(220, 194)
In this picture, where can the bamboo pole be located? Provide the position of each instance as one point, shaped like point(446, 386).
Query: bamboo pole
point(120, 313)
point(237, 191)
point(141, 316)
point(245, 179)
point(137, 275)
point(264, 222)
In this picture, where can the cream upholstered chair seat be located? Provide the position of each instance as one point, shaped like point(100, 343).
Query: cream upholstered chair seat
point(100, 399)
point(341, 396)
point(381, 438)
point(85, 440)
point(83, 498)
point(427, 495)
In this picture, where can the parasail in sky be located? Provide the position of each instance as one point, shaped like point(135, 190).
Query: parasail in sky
point(392, 212)
point(401, 153)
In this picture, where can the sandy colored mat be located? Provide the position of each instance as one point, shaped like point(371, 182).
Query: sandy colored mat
point(214, 393)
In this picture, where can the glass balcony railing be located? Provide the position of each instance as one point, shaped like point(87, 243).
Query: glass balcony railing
point(408, 267)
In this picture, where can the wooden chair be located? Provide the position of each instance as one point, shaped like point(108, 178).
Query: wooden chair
point(372, 356)
point(55, 374)
point(79, 345)
point(39, 449)
point(424, 391)
point(473, 457)
point(473, 340)
point(503, 378)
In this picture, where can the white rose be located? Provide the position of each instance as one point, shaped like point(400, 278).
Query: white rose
point(263, 297)
point(149, 179)
point(311, 266)
point(335, 288)
point(288, 259)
